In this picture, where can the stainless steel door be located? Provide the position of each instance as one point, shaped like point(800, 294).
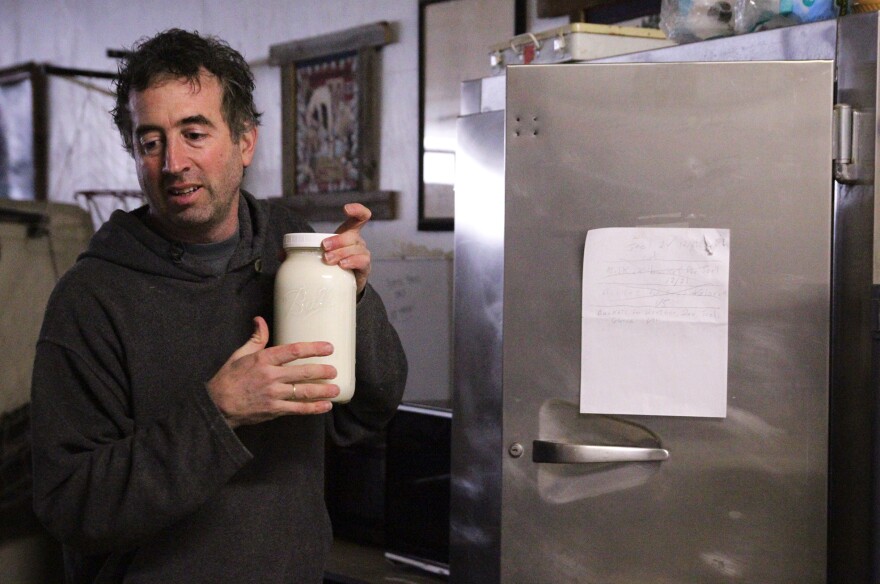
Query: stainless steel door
point(475, 498)
point(739, 146)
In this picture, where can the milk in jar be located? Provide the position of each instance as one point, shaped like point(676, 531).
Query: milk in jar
point(315, 301)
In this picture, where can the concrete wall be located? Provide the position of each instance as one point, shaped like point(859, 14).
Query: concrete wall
point(85, 152)
point(77, 34)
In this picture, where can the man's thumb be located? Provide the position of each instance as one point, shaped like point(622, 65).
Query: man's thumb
point(257, 342)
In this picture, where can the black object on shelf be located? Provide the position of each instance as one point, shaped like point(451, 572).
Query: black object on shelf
point(355, 491)
point(417, 488)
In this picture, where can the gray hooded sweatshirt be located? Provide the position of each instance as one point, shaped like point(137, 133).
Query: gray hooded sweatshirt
point(135, 469)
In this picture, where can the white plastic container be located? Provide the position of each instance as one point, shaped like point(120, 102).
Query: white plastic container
point(316, 302)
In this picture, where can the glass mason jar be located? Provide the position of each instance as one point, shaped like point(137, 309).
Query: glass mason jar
point(315, 301)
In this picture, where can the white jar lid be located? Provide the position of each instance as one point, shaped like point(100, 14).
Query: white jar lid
point(305, 239)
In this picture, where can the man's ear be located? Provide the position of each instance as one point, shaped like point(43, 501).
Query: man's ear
point(247, 144)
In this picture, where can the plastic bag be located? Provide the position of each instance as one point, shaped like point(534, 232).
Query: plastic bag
point(686, 21)
point(813, 10)
point(754, 15)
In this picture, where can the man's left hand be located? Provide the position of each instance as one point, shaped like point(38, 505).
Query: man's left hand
point(347, 248)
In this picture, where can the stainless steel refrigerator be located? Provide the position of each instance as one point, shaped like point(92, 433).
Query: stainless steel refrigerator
point(769, 136)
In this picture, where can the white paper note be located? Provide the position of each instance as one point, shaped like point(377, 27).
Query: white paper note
point(654, 322)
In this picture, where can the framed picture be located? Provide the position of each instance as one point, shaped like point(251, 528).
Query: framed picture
point(328, 157)
point(454, 41)
point(330, 122)
point(24, 153)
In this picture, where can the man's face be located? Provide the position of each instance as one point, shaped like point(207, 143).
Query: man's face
point(187, 163)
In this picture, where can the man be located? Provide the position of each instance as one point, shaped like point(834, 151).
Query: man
point(171, 444)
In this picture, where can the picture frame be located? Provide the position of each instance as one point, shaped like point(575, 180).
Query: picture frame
point(327, 135)
point(454, 41)
point(24, 130)
point(330, 122)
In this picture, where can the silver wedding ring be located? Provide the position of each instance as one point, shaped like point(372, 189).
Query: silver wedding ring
point(294, 391)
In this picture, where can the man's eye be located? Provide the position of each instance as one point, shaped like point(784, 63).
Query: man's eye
point(149, 146)
point(195, 136)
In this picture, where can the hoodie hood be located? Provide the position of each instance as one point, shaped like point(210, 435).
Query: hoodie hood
point(126, 240)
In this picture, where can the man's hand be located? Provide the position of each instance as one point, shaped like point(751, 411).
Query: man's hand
point(254, 385)
point(347, 248)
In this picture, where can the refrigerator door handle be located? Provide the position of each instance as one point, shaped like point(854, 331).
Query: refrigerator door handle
point(563, 453)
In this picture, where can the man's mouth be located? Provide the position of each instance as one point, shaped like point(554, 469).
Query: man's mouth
point(180, 192)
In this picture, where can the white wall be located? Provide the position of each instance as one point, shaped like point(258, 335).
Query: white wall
point(85, 150)
point(77, 34)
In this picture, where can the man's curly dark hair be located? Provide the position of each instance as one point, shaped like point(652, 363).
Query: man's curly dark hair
point(179, 54)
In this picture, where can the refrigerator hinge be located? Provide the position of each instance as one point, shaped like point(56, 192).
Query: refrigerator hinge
point(853, 145)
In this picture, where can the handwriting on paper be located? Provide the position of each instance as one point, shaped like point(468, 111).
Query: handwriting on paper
point(657, 274)
point(654, 321)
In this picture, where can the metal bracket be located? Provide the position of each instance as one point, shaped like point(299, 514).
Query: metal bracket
point(853, 145)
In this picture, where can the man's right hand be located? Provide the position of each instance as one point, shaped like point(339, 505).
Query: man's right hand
point(254, 385)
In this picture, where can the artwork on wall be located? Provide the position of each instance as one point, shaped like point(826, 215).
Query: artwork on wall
point(23, 144)
point(330, 122)
point(327, 135)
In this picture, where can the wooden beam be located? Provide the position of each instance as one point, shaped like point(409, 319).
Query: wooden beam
point(552, 8)
point(328, 206)
point(352, 39)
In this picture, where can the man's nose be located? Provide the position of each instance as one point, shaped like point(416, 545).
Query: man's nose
point(176, 160)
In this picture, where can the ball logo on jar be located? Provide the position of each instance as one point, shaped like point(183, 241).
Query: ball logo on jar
point(303, 302)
